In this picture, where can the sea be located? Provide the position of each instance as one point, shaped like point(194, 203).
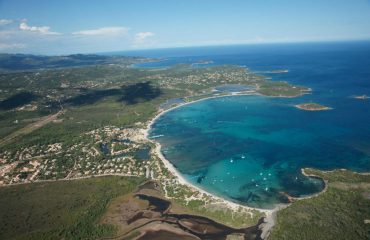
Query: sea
point(251, 149)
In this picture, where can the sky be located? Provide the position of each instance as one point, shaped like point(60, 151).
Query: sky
point(92, 26)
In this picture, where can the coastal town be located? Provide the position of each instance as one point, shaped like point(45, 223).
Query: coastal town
point(113, 151)
point(108, 150)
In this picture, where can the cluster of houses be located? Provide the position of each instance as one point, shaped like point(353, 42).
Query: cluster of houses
point(206, 77)
point(105, 151)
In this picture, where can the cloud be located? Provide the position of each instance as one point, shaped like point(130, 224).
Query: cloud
point(105, 31)
point(12, 46)
point(5, 22)
point(4, 34)
point(45, 30)
point(142, 36)
point(20, 36)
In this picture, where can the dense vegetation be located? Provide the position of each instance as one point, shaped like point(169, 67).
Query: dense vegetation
point(101, 94)
point(17, 62)
point(60, 210)
point(342, 212)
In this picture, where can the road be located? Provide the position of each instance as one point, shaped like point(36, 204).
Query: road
point(30, 128)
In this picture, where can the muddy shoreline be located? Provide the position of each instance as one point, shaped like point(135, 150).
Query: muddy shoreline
point(158, 220)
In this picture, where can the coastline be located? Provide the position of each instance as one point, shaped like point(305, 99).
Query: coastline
point(313, 176)
point(270, 214)
point(183, 181)
point(230, 204)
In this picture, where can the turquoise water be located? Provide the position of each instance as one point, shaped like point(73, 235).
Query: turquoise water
point(250, 148)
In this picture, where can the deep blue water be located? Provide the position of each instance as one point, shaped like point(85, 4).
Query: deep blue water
point(251, 148)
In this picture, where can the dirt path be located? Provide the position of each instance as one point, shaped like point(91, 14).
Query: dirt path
point(30, 128)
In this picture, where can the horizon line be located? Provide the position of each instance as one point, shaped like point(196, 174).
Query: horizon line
point(196, 46)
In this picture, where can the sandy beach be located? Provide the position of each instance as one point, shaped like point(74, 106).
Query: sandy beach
point(181, 179)
point(270, 218)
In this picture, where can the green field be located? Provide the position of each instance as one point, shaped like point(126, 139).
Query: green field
point(60, 210)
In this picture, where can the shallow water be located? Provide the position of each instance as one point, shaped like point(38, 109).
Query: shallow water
point(251, 148)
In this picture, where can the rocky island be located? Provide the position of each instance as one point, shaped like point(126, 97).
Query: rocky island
point(312, 107)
